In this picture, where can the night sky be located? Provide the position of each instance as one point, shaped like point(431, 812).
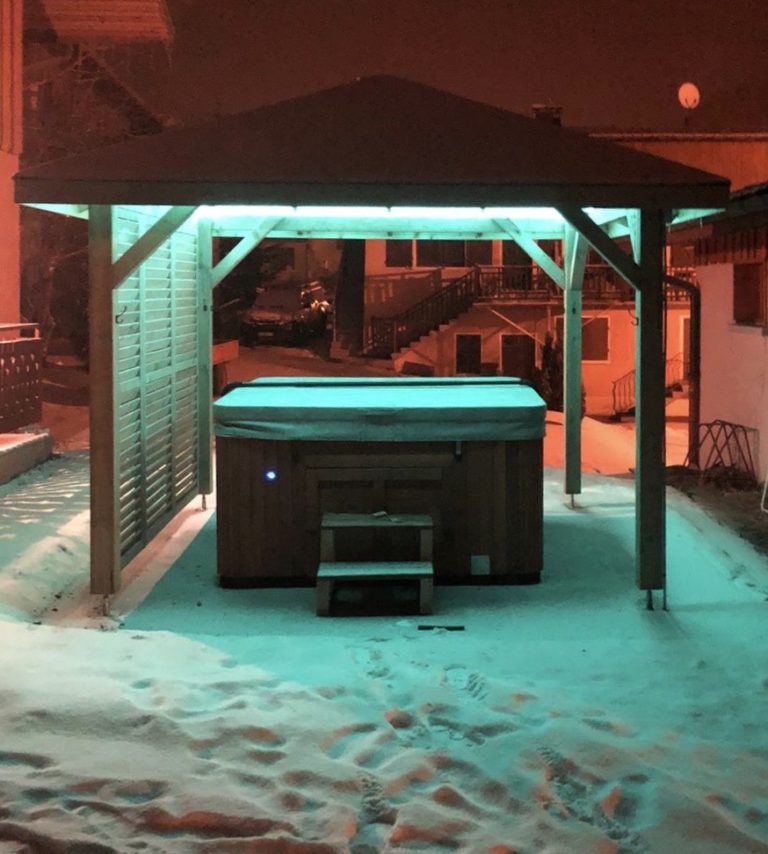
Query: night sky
point(609, 63)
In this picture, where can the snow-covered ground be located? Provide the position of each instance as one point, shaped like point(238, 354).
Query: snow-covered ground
point(562, 717)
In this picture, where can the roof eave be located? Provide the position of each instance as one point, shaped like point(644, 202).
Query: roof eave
point(31, 190)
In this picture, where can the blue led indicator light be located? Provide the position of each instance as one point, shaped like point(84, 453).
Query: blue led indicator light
point(270, 475)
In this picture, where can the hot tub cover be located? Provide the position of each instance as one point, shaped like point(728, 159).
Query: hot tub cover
point(381, 410)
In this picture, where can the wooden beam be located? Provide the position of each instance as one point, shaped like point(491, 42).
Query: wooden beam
point(650, 510)
point(575, 259)
point(149, 242)
point(204, 357)
point(79, 211)
point(242, 250)
point(633, 228)
point(536, 253)
point(602, 244)
point(105, 518)
point(383, 228)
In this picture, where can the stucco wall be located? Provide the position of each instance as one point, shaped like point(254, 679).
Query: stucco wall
point(391, 290)
point(9, 242)
point(744, 162)
point(734, 361)
point(437, 350)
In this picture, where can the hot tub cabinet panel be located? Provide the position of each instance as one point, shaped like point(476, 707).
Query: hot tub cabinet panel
point(484, 495)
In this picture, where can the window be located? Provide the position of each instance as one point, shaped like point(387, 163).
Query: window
point(513, 256)
point(440, 253)
point(749, 294)
point(452, 253)
point(478, 252)
point(594, 338)
point(551, 247)
point(398, 253)
point(468, 354)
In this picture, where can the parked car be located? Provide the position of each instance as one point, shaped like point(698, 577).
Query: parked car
point(287, 313)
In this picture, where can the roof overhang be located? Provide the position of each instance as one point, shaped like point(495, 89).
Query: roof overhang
point(334, 222)
point(376, 141)
point(32, 190)
point(110, 21)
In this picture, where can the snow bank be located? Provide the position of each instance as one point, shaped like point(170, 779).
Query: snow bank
point(564, 717)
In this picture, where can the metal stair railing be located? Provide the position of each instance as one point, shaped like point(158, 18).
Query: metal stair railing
point(388, 334)
point(623, 391)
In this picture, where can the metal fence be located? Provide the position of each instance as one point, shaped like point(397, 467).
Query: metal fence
point(20, 369)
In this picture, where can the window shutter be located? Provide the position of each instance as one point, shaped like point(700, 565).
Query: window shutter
point(398, 253)
point(748, 294)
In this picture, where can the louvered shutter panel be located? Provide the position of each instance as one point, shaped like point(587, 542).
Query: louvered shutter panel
point(157, 314)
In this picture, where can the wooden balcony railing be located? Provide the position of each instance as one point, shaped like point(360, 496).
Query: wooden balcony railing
point(20, 366)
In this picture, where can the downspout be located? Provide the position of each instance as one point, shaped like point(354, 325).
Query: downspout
point(694, 370)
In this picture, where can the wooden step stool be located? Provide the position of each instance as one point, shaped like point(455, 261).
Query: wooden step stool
point(330, 570)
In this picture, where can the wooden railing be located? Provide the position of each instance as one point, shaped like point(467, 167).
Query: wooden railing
point(20, 366)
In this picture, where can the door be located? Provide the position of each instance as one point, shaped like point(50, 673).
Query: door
point(518, 356)
point(468, 354)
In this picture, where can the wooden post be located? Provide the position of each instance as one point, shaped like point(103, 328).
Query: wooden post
point(105, 519)
point(204, 357)
point(650, 421)
point(574, 263)
point(349, 308)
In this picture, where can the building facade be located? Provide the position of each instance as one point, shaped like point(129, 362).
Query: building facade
point(10, 149)
point(516, 310)
point(731, 255)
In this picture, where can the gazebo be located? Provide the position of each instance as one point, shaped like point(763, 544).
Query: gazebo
point(380, 158)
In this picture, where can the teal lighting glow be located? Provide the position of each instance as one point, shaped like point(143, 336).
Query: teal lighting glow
point(407, 222)
point(223, 212)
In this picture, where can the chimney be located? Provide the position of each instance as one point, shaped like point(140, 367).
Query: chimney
point(546, 113)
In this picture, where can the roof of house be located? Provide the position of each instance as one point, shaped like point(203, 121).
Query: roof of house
point(106, 21)
point(377, 140)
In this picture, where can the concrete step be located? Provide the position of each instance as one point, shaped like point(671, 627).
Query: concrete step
point(20, 452)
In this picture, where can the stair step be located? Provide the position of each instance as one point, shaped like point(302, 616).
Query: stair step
point(375, 569)
point(330, 572)
point(332, 522)
point(375, 520)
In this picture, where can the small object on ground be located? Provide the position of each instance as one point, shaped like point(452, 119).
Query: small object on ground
point(426, 628)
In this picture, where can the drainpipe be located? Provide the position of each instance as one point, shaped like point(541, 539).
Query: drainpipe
point(694, 370)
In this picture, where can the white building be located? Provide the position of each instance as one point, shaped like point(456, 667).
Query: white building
point(731, 255)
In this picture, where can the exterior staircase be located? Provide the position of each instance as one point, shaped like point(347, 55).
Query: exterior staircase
point(400, 361)
point(387, 335)
point(675, 385)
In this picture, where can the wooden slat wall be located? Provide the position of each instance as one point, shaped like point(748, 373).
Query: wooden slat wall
point(156, 331)
point(737, 247)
